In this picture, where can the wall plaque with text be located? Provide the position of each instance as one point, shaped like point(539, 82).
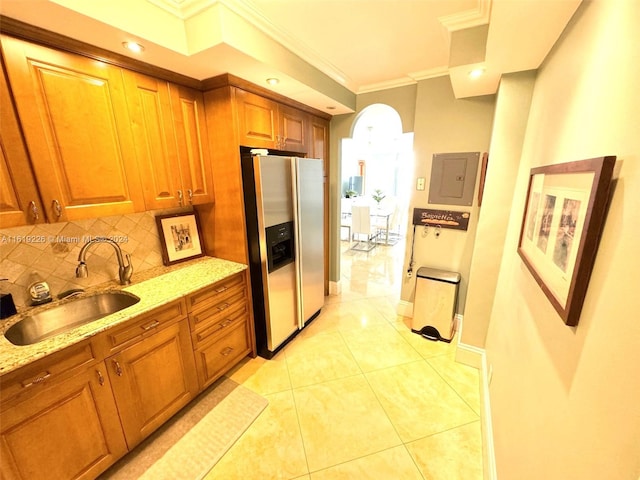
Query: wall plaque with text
point(444, 218)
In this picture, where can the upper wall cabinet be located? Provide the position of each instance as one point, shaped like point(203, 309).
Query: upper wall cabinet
point(75, 121)
point(19, 198)
point(168, 128)
point(268, 124)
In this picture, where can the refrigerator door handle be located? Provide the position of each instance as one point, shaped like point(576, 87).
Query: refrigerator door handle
point(296, 235)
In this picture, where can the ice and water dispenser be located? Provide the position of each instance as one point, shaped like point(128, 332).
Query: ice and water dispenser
point(434, 306)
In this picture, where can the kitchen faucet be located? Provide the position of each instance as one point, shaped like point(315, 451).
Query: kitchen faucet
point(125, 271)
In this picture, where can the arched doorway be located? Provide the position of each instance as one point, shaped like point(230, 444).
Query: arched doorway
point(377, 161)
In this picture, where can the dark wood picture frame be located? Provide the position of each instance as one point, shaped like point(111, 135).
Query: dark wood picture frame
point(180, 237)
point(563, 219)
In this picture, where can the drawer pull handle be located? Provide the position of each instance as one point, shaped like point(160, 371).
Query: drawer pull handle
point(34, 210)
point(57, 207)
point(150, 326)
point(226, 351)
point(226, 323)
point(39, 379)
point(117, 367)
point(221, 289)
point(100, 377)
point(224, 306)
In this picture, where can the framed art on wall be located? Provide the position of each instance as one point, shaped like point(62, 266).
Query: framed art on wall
point(179, 237)
point(561, 226)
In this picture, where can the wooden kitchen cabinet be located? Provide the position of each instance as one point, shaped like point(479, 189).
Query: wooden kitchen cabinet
point(169, 132)
point(19, 198)
point(221, 327)
point(265, 123)
point(67, 429)
point(152, 378)
point(241, 114)
point(74, 117)
point(319, 148)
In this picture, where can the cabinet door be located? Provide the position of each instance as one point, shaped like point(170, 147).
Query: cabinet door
point(19, 199)
point(68, 431)
point(155, 143)
point(75, 121)
point(152, 380)
point(257, 120)
point(193, 148)
point(319, 148)
point(292, 130)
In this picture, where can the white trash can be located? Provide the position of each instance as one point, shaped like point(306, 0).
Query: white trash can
point(434, 306)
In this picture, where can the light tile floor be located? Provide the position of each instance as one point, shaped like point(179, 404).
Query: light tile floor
point(356, 395)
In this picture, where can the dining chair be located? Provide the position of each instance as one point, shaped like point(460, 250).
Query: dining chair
point(361, 226)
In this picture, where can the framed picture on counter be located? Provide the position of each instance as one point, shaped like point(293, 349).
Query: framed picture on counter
point(179, 237)
point(564, 216)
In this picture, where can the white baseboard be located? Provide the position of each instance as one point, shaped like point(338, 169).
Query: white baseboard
point(469, 355)
point(335, 288)
point(488, 450)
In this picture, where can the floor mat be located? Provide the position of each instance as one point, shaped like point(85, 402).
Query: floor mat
point(193, 441)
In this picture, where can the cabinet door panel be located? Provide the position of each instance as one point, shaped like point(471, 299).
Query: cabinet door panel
point(77, 129)
point(17, 184)
point(152, 380)
point(70, 430)
point(293, 129)
point(153, 131)
point(257, 117)
point(193, 148)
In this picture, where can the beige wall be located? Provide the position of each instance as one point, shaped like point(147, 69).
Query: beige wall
point(566, 401)
point(509, 125)
point(444, 124)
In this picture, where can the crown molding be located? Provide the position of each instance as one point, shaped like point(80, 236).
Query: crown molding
point(249, 12)
point(245, 9)
point(183, 9)
point(471, 18)
point(430, 73)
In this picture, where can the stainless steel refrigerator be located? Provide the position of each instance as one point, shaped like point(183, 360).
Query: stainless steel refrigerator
point(284, 205)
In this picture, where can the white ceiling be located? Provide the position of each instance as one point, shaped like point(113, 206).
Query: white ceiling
point(323, 51)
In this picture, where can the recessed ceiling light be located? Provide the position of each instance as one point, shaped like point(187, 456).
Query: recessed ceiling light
point(476, 72)
point(273, 81)
point(133, 46)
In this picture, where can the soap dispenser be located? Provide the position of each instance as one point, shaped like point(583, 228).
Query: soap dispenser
point(7, 306)
point(38, 290)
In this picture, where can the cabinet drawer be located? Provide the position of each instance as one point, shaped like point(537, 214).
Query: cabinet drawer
point(215, 358)
point(52, 368)
point(216, 293)
point(220, 325)
point(202, 319)
point(143, 326)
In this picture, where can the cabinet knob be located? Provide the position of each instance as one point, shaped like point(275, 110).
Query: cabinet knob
point(34, 210)
point(190, 194)
point(180, 200)
point(100, 377)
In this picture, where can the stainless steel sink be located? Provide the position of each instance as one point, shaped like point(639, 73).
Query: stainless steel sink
point(68, 315)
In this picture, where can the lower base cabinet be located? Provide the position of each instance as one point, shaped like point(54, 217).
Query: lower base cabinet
point(70, 430)
point(215, 358)
point(152, 380)
point(74, 413)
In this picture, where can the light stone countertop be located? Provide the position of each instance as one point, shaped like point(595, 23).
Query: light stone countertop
point(155, 288)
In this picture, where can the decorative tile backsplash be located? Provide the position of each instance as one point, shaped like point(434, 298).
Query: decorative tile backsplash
point(52, 251)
